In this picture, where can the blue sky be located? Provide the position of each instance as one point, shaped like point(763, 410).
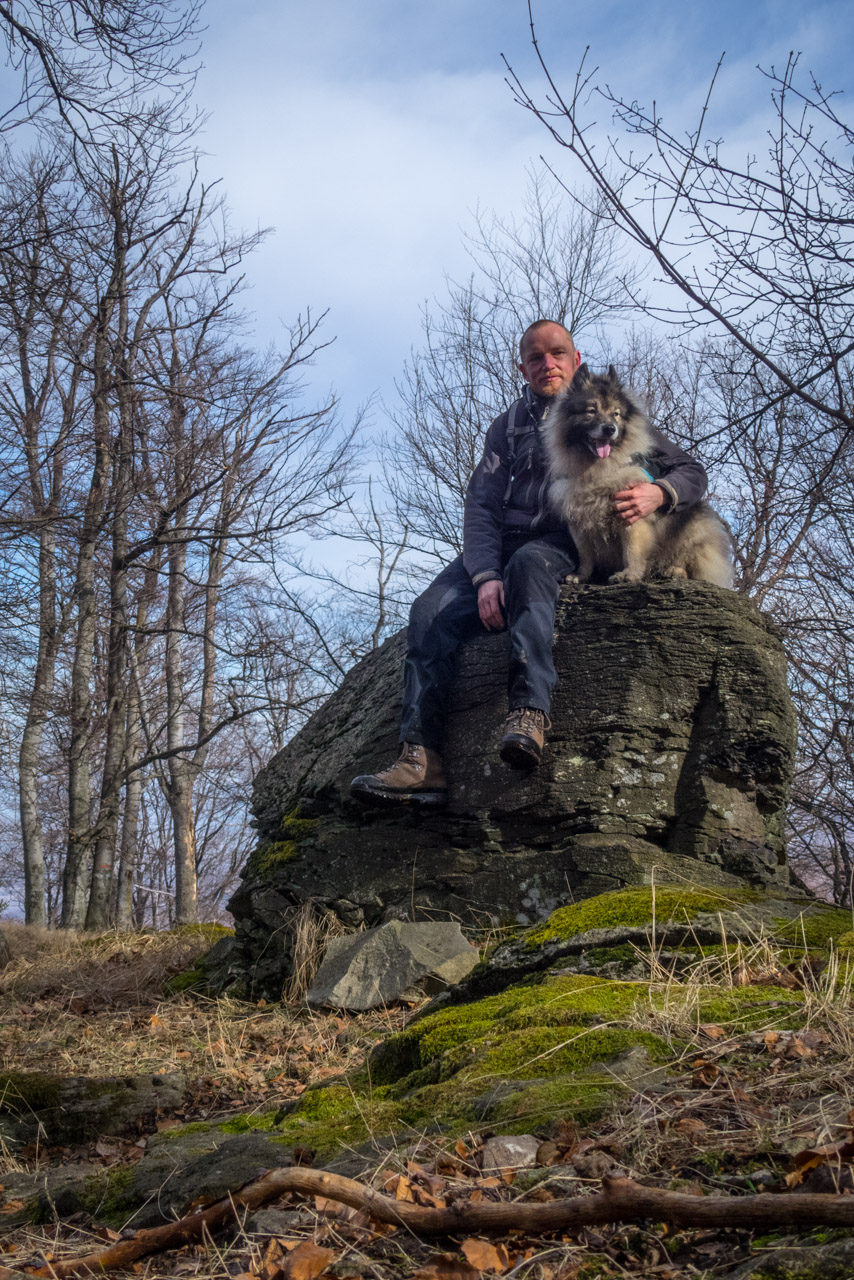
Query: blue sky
point(366, 132)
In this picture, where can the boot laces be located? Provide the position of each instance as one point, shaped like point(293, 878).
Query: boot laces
point(529, 719)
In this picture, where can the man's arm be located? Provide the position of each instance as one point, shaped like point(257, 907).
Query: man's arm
point(484, 508)
point(678, 481)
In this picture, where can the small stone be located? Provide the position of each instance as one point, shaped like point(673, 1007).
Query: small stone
point(519, 1152)
point(350, 913)
point(592, 1164)
point(276, 1222)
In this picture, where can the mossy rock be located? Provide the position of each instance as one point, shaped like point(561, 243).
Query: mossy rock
point(529, 1043)
point(524, 1040)
point(58, 1111)
point(270, 854)
point(672, 917)
point(635, 907)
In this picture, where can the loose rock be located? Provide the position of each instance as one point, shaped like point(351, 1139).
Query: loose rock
point(376, 968)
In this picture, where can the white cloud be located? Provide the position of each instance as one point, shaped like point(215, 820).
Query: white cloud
point(367, 134)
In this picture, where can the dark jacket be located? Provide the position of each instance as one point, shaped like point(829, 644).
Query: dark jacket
point(514, 500)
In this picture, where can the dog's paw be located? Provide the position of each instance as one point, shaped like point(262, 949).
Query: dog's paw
point(625, 575)
point(573, 580)
point(674, 572)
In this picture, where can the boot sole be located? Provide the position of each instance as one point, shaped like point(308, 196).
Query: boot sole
point(389, 799)
point(519, 752)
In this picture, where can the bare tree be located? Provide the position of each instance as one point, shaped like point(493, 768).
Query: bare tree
point(760, 253)
point(40, 417)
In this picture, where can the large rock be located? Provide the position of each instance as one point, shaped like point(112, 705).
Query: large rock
point(670, 758)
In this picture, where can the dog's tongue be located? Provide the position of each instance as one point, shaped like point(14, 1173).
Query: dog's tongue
point(603, 450)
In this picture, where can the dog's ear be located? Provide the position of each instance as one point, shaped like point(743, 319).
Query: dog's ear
point(612, 376)
point(581, 379)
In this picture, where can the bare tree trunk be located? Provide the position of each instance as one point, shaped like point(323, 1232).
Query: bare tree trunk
point(99, 914)
point(180, 784)
point(80, 834)
point(135, 784)
point(130, 822)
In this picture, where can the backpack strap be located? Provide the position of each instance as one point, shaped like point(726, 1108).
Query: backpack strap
point(516, 419)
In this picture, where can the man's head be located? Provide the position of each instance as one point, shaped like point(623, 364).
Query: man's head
point(548, 357)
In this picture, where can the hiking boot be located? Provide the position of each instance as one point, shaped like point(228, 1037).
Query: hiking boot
point(524, 735)
point(416, 777)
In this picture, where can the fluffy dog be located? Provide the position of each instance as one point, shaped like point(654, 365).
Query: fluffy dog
point(598, 440)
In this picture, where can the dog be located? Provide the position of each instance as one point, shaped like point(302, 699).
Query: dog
point(598, 437)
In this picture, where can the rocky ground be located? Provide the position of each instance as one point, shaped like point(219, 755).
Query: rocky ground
point(690, 1039)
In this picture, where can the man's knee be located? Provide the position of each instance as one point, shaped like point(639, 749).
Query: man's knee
point(448, 602)
point(530, 571)
point(422, 611)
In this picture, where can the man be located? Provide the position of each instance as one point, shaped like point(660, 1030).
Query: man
point(516, 555)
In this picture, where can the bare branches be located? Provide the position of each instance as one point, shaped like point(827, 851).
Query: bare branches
point(92, 64)
point(765, 253)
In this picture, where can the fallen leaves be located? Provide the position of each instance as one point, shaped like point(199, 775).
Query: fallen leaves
point(446, 1266)
point(291, 1260)
point(485, 1256)
point(830, 1158)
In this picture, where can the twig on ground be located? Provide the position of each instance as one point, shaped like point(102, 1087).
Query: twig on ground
point(621, 1200)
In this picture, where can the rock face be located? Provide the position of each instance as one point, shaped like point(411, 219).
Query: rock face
point(669, 759)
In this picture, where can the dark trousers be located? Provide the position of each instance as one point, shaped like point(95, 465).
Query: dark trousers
point(446, 613)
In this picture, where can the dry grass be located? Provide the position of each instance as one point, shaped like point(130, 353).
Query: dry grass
point(105, 970)
point(311, 934)
point(77, 1005)
point(740, 1094)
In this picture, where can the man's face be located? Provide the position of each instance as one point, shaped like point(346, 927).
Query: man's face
point(549, 360)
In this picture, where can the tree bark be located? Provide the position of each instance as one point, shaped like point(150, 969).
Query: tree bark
point(100, 913)
point(80, 833)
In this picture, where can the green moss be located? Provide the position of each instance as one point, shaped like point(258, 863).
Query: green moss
point(29, 1091)
point(276, 853)
point(574, 999)
point(749, 1008)
point(554, 1051)
point(109, 1196)
point(461, 1066)
point(208, 931)
point(184, 981)
point(541, 1106)
point(634, 907)
point(181, 1130)
point(293, 827)
point(326, 1104)
point(106, 1197)
point(817, 929)
point(252, 1122)
point(625, 956)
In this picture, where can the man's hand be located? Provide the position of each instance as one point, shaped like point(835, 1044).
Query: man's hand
point(637, 501)
point(490, 602)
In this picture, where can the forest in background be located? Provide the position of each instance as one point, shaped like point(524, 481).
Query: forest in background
point(164, 629)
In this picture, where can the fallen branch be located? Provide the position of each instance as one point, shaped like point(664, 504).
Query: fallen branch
point(621, 1200)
